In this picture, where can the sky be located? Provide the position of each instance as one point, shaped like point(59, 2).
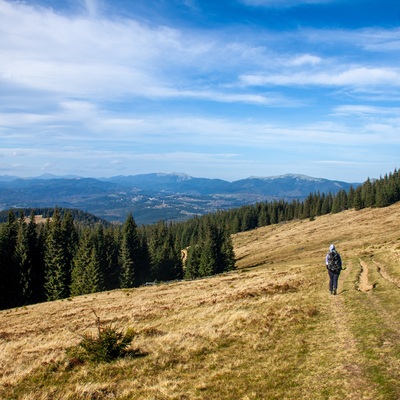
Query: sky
point(222, 89)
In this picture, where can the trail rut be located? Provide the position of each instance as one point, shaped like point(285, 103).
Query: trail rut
point(363, 282)
point(385, 275)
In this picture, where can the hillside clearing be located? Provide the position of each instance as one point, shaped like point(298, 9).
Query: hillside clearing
point(269, 330)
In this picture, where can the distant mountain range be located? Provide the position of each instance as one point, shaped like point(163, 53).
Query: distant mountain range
point(156, 196)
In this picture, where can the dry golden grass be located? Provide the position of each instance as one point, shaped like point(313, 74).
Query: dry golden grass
point(269, 330)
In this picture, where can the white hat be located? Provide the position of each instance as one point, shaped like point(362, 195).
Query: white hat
point(331, 247)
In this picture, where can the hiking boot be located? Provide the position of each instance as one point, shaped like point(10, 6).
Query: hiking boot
point(334, 292)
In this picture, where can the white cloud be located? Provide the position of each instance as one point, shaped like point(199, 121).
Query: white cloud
point(352, 77)
point(98, 58)
point(90, 87)
point(305, 59)
point(282, 3)
point(358, 109)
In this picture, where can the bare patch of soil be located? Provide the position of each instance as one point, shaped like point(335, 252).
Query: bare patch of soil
point(363, 283)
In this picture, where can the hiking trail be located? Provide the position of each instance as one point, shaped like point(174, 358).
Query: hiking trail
point(348, 355)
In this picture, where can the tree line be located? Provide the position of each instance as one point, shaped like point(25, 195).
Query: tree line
point(63, 257)
point(372, 193)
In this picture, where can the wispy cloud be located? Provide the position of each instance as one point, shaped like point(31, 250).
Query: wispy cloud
point(283, 3)
point(363, 77)
point(83, 84)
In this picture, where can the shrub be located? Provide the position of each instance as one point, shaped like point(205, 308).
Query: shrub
point(107, 345)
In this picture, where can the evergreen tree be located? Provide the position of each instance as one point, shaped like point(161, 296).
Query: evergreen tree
point(57, 275)
point(35, 244)
point(367, 194)
point(358, 204)
point(29, 262)
point(23, 263)
point(9, 279)
point(166, 261)
point(144, 272)
point(111, 254)
point(129, 253)
point(193, 261)
point(209, 251)
point(227, 262)
point(86, 276)
point(350, 198)
point(70, 240)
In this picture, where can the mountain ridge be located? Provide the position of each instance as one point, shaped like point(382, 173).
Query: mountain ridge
point(157, 196)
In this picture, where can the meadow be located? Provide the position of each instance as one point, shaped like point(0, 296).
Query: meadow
point(268, 330)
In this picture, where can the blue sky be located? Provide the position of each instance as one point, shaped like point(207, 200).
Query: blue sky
point(216, 89)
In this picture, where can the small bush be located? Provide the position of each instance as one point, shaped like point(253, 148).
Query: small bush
point(108, 345)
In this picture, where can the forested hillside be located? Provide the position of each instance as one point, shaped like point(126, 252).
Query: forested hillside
point(269, 329)
point(64, 257)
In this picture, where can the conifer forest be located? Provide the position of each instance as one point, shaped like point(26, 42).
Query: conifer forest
point(64, 257)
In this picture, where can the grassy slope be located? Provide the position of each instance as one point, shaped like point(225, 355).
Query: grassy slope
point(268, 331)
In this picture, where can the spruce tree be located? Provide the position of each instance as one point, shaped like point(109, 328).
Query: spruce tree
point(111, 249)
point(70, 242)
point(227, 254)
point(86, 276)
point(36, 257)
point(129, 253)
point(209, 251)
point(9, 279)
point(57, 273)
point(166, 261)
point(357, 202)
point(193, 261)
point(23, 262)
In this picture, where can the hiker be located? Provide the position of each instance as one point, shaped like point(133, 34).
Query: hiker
point(333, 263)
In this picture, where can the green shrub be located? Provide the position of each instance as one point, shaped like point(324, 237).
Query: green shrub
point(107, 345)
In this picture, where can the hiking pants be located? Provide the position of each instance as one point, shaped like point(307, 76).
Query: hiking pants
point(333, 280)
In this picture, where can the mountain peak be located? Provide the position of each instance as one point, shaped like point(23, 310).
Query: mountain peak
point(181, 176)
point(289, 176)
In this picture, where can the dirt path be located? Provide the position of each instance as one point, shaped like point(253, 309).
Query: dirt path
point(363, 282)
point(349, 358)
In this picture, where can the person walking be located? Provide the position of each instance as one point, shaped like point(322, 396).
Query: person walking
point(333, 263)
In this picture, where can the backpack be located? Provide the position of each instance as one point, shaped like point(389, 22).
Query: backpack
point(333, 261)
